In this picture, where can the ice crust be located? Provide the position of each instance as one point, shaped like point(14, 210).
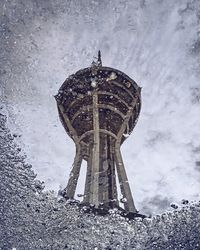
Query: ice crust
point(156, 43)
point(33, 219)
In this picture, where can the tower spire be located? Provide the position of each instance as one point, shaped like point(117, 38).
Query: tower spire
point(99, 62)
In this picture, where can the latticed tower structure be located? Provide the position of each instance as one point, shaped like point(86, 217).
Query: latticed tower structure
point(99, 107)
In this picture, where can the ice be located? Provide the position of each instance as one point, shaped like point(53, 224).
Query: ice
point(126, 135)
point(156, 43)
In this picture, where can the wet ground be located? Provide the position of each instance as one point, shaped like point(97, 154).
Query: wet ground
point(33, 219)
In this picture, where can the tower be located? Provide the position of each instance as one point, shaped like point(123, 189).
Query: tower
point(99, 107)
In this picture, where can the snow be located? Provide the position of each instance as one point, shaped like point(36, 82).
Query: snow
point(112, 76)
point(93, 83)
point(126, 135)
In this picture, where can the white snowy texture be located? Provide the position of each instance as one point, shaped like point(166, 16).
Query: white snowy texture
point(33, 219)
point(155, 42)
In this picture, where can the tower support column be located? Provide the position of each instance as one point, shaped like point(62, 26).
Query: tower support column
point(94, 187)
point(123, 182)
point(69, 191)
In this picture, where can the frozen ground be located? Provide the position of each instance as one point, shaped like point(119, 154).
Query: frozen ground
point(31, 219)
point(155, 42)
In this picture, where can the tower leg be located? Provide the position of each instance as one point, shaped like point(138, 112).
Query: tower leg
point(69, 191)
point(103, 172)
point(113, 197)
point(88, 178)
point(124, 185)
point(94, 188)
point(112, 191)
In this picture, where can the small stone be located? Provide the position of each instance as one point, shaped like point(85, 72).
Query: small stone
point(173, 205)
point(185, 202)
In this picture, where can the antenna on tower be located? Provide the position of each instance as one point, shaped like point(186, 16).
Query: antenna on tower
point(99, 62)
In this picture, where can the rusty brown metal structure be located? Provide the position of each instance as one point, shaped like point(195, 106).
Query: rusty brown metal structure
point(99, 107)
